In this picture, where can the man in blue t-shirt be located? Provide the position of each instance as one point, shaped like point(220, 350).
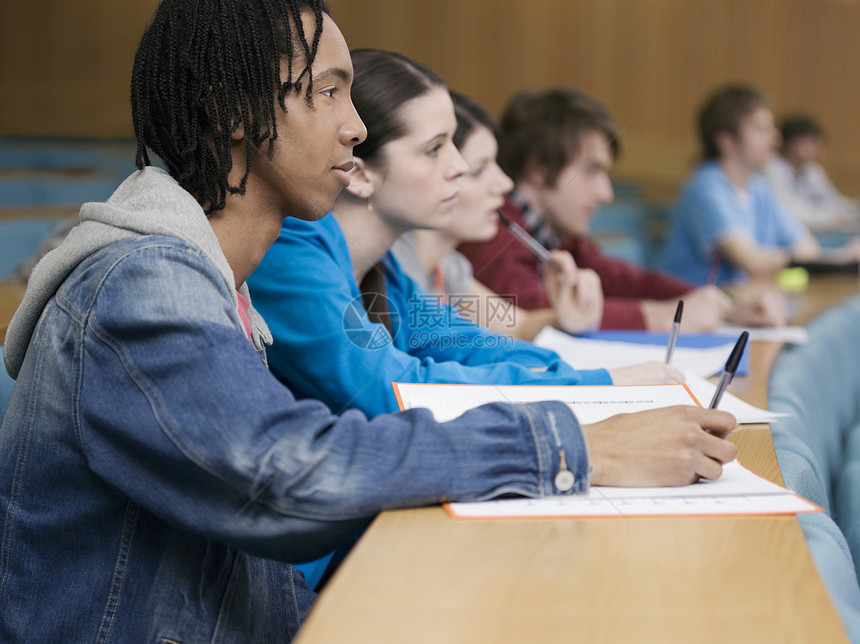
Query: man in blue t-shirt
point(728, 224)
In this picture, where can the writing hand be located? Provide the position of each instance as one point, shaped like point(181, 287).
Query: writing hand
point(660, 447)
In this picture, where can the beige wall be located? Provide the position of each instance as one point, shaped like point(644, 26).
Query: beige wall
point(64, 71)
point(65, 66)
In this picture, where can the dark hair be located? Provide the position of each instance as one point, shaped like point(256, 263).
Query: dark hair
point(204, 68)
point(383, 82)
point(544, 129)
point(723, 111)
point(796, 126)
point(470, 115)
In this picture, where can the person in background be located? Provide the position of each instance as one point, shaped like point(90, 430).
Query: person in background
point(156, 480)
point(728, 225)
point(559, 145)
point(429, 257)
point(801, 183)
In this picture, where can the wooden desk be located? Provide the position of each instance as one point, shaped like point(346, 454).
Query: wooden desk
point(417, 576)
point(10, 297)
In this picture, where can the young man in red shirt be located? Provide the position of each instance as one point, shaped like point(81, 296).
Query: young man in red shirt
point(559, 145)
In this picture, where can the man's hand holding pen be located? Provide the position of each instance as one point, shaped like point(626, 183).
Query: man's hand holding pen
point(575, 293)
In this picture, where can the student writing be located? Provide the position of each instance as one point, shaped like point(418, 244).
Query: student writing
point(156, 479)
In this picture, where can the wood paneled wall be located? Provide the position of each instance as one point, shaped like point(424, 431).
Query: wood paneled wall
point(64, 67)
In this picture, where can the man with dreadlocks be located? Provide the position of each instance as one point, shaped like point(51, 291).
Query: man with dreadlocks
point(155, 478)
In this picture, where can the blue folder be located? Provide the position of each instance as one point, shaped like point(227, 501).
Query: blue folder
point(692, 340)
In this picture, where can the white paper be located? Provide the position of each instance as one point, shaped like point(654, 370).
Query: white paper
point(590, 403)
point(737, 491)
point(745, 413)
point(588, 353)
point(787, 334)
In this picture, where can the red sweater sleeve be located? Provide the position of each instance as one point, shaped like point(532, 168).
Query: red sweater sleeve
point(507, 267)
point(624, 285)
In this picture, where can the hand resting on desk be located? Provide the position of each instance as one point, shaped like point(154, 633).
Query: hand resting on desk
point(758, 306)
point(704, 309)
point(660, 447)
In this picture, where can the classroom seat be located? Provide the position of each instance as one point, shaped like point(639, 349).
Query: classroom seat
point(626, 188)
point(619, 228)
point(829, 552)
point(818, 383)
point(115, 155)
point(41, 189)
point(631, 229)
point(61, 173)
point(20, 238)
point(42, 178)
point(798, 464)
point(818, 446)
point(835, 239)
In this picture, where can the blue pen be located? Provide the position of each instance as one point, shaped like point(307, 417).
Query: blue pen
point(729, 371)
point(673, 336)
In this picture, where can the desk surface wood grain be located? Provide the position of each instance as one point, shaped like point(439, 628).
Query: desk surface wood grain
point(417, 576)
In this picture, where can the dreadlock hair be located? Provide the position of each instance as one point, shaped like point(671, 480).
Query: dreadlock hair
point(544, 129)
point(202, 69)
point(470, 116)
point(722, 113)
point(383, 81)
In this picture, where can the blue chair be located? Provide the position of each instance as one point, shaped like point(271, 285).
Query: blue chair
point(620, 231)
point(832, 559)
point(818, 383)
point(61, 173)
point(818, 446)
point(19, 240)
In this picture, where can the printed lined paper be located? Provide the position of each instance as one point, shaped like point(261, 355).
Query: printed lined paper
point(737, 492)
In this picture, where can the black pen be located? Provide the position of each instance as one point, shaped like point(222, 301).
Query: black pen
point(533, 244)
point(729, 372)
point(673, 336)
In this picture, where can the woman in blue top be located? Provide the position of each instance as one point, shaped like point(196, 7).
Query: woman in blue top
point(346, 321)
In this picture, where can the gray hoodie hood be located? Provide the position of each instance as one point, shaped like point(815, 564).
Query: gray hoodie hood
point(149, 202)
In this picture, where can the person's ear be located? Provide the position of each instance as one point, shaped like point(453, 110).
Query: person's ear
point(238, 131)
point(726, 143)
point(535, 175)
point(363, 180)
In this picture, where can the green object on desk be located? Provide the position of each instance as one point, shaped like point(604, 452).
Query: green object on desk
point(793, 280)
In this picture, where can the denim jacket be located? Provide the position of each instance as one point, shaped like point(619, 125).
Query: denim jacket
point(156, 480)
